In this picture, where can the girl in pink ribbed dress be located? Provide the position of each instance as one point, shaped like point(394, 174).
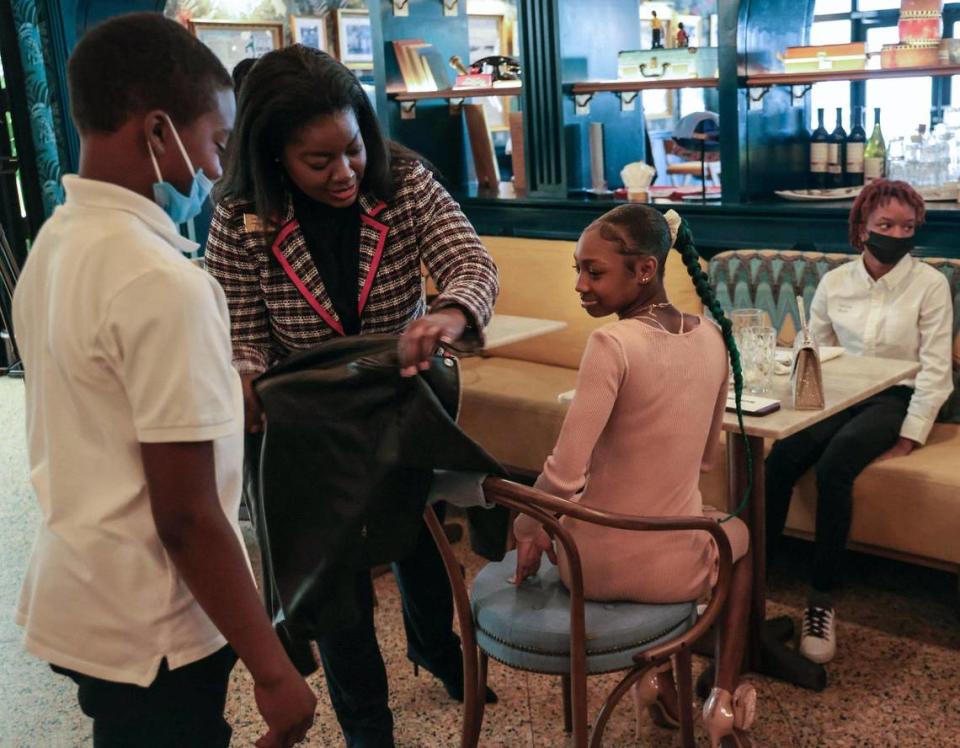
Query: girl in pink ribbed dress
point(645, 420)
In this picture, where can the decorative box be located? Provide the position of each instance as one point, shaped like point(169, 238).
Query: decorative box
point(825, 57)
point(680, 62)
point(473, 80)
point(920, 27)
point(919, 55)
point(921, 6)
point(950, 51)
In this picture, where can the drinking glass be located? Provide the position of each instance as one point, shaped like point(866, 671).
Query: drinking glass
point(740, 318)
point(758, 346)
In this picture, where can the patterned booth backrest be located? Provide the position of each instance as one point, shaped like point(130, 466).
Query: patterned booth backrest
point(771, 280)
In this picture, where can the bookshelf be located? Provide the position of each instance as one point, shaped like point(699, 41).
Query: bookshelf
point(568, 52)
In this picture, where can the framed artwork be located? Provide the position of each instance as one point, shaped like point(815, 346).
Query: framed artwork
point(310, 31)
point(489, 36)
point(232, 42)
point(354, 39)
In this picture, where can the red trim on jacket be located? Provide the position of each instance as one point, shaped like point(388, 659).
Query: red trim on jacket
point(378, 253)
point(285, 231)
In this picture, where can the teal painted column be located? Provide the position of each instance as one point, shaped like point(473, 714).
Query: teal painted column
point(542, 97)
point(26, 18)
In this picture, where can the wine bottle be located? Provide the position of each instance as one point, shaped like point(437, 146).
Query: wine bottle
point(875, 154)
point(836, 152)
point(856, 145)
point(819, 142)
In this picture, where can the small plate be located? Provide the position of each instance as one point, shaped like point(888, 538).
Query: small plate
point(838, 193)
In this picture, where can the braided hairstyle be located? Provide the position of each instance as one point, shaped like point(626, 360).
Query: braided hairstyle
point(641, 231)
point(691, 258)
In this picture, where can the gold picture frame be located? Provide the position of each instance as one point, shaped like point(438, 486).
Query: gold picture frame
point(233, 41)
point(311, 31)
point(491, 34)
point(354, 39)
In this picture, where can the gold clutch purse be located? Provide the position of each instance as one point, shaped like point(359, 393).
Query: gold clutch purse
point(806, 377)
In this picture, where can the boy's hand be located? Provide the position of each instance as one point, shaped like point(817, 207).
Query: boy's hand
point(287, 706)
point(422, 337)
point(252, 413)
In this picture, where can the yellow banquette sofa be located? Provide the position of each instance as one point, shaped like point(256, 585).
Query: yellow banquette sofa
point(907, 508)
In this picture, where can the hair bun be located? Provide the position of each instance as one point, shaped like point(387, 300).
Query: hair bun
point(674, 221)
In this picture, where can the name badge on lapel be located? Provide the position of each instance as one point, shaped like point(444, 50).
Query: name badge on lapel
point(252, 223)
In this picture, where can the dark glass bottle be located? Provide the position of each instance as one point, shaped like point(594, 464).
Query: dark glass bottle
point(856, 144)
point(819, 145)
point(836, 153)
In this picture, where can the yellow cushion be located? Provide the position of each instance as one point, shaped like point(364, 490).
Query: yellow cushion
point(537, 280)
point(510, 408)
point(910, 504)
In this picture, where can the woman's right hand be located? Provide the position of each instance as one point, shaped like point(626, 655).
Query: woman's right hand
point(252, 412)
point(287, 705)
point(529, 554)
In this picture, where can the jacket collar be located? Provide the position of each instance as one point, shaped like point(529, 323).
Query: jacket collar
point(290, 249)
point(92, 193)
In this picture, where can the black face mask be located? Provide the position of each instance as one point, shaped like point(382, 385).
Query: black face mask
point(889, 249)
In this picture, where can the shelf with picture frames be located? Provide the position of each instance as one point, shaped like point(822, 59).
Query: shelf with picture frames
point(455, 96)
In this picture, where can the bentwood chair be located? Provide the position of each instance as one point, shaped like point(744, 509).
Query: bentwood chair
point(543, 627)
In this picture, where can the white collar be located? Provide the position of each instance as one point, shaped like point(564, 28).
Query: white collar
point(108, 196)
point(891, 279)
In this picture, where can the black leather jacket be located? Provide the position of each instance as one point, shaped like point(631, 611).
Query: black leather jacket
point(348, 454)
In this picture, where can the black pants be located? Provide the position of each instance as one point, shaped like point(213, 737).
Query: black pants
point(182, 708)
point(352, 663)
point(839, 448)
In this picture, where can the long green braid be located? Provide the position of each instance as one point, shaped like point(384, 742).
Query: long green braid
point(687, 249)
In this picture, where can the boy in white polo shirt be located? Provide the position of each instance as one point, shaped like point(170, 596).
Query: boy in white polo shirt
point(139, 587)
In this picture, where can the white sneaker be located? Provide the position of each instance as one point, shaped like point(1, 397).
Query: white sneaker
point(818, 637)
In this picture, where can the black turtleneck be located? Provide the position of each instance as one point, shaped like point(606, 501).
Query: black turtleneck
point(333, 238)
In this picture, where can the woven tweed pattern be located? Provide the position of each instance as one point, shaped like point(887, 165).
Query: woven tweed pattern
point(271, 317)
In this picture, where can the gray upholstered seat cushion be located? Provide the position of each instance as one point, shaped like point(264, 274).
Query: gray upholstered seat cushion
point(528, 627)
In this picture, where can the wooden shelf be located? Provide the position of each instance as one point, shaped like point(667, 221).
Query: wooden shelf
point(457, 93)
point(642, 84)
point(820, 76)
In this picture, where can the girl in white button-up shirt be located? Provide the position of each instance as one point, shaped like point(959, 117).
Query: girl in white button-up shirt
point(885, 304)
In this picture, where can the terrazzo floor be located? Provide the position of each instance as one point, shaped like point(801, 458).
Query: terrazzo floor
point(895, 681)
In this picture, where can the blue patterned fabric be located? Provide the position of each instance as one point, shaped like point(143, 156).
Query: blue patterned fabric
point(528, 627)
point(771, 280)
point(27, 21)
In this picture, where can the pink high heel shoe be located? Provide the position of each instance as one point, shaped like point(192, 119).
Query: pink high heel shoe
point(648, 693)
point(727, 717)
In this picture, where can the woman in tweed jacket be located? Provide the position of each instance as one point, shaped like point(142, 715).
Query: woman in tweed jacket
point(322, 230)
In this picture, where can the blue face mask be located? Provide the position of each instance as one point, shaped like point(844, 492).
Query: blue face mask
point(181, 208)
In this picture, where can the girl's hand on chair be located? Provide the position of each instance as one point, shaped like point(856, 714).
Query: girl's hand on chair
point(529, 553)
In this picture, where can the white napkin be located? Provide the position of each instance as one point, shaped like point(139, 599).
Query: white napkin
point(637, 176)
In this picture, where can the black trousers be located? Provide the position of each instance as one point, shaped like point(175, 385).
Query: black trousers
point(838, 448)
point(182, 708)
point(352, 663)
